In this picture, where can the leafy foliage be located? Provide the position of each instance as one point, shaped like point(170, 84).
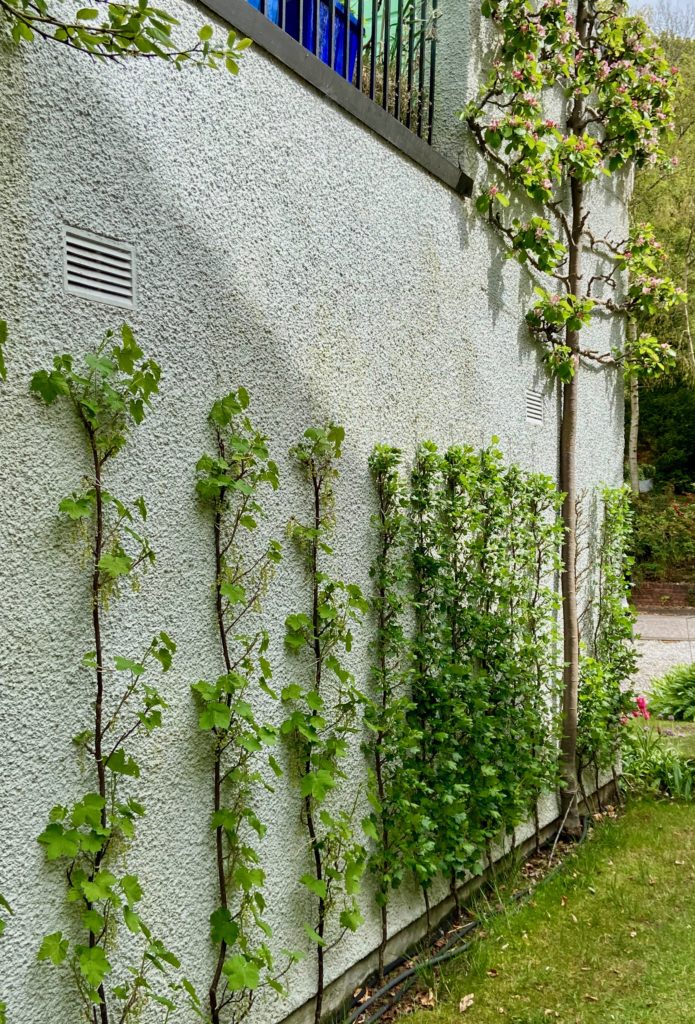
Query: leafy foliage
point(666, 196)
point(230, 483)
point(392, 742)
point(482, 724)
point(322, 713)
point(673, 694)
point(621, 88)
point(651, 765)
point(90, 837)
point(664, 538)
point(667, 433)
point(118, 31)
point(609, 657)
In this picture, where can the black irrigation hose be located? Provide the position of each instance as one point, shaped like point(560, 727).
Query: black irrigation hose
point(446, 953)
point(357, 1013)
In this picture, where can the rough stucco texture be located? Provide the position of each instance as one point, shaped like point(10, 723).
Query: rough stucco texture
point(282, 246)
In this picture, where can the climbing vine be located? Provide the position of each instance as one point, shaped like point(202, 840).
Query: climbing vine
point(608, 652)
point(230, 483)
point(485, 670)
point(386, 715)
point(90, 837)
point(323, 711)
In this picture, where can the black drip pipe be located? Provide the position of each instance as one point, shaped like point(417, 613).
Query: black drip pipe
point(448, 952)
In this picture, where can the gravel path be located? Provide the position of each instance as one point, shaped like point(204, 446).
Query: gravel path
point(665, 641)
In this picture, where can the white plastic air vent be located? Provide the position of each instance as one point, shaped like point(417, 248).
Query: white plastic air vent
point(534, 407)
point(99, 268)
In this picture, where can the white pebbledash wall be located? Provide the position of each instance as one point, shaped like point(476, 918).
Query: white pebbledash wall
point(283, 246)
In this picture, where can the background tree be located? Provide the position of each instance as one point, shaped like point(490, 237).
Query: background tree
point(667, 196)
point(615, 88)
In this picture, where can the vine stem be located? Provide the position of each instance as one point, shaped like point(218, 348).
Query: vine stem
point(103, 1013)
point(378, 746)
point(308, 807)
point(217, 768)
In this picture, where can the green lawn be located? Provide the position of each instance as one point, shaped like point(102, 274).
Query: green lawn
point(683, 738)
point(609, 938)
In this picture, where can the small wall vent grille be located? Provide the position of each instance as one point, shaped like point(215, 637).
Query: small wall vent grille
point(99, 268)
point(534, 407)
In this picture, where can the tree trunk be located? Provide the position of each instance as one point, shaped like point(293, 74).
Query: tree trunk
point(570, 623)
point(568, 484)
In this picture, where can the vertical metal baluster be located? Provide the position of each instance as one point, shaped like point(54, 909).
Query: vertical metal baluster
point(301, 22)
point(433, 60)
point(360, 35)
point(317, 28)
point(346, 41)
point(421, 69)
point(372, 63)
point(411, 62)
point(399, 53)
point(387, 52)
point(331, 34)
point(283, 16)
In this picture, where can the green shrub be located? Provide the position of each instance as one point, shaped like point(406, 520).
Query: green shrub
point(673, 694)
point(651, 765)
point(664, 538)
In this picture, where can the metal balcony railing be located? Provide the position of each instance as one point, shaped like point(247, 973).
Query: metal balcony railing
point(386, 49)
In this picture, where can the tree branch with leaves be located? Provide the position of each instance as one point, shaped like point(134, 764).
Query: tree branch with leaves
point(616, 89)
point(118, 32)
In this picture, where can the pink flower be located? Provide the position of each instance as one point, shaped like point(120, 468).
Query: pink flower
point(642, 711)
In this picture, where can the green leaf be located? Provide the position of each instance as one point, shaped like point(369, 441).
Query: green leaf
point(241, 974)
point(93, 964)
point(87, 14)
point(54, 948)
point(100, 887)
point(131, 889)
point(205, 33)
point(59, 842)
point(291, 692)
point(316, 885)
point(216, 715)
point(93, 921)
point(115, 565)
point(317, 784)
point(234, 593)
point(77, 506)
point(132, 920)
point(314, 936)
point(49, 386)
point(126, 665)
point(351, 919)
point(222, 927)
point(121, 764)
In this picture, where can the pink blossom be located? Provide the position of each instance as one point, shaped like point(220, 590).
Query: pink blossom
point(642, 710)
